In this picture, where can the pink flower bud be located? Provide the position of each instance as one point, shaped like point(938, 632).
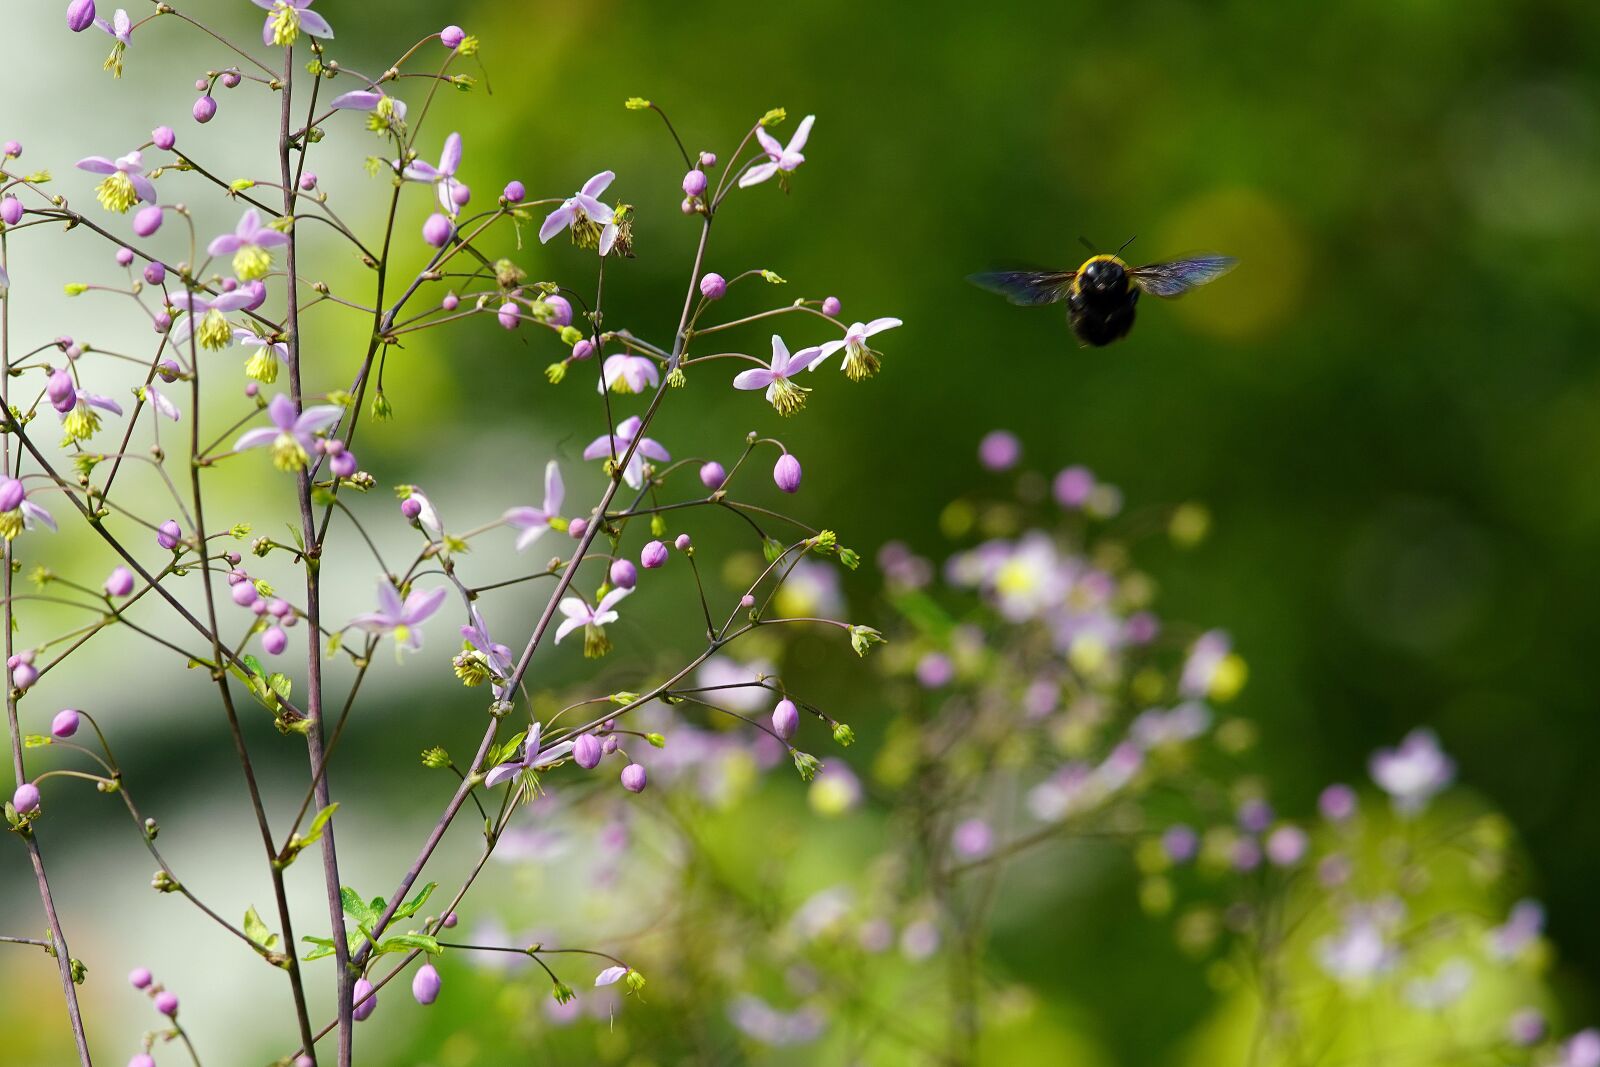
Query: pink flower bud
point(155, 272)
point(140, 978)
point(26, 798)
point(143, 1059)
point(609, 745)
point(831, 306)
point(308, 181)
point(509, 315)
point(694, 183)
point(13, 149)
point(425, 984)
point(586, 751)
point(786, 473)
point(63, 393)
point(653, 555)
point(785, 719)
point(164, 138)
point(11, 210)
point(24, 673)
point(713, 286)
point(747, 601)
point(274, 641)
point(244, 594)
point(168, 534)
point(366, 999)
point(147, 220)
point(120, 583)
point(343, 465)
point(167, 1003)
point(708, 159)
point(712, 475)
point(278, 608)
point(514, 192)
point(450, 921)
point(624, 575)
point(80, 15)
point(559, 309)
point(577, 528)
point(633, 778)
point(583, 350)
point(65, 724)
point(451, 37)
point(205, 109)
point(999, 450)
point(450, 302)
point(231, 79)
point(460, 194)
point(1073, 486)
point(436, 231)
point(682, 543)
point(124, 257)
point(411, 507)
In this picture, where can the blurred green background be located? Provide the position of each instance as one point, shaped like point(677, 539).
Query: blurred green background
point(1388, 406)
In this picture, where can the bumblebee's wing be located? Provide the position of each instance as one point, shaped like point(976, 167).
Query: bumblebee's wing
point(1029, 288)
point(1181, 275)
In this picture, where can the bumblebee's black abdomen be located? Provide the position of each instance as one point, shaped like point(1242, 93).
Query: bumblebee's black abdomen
point(1098, 320)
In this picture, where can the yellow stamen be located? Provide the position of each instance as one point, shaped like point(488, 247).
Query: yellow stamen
point(251, 262)
point(787, 397)
point(213, 332)
point(10, 523)
point(288, 455)
point(116, 193)
point(81, 423)
point(285, 24)
point(263, 366)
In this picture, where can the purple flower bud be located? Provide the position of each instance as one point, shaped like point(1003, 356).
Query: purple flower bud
point(231, 79)
point(786, 473)
point(831, 306)
point(164, 138)
point(1287, 846)
point(451, 37)
point(161, 322)
point(577, 528)
point(450, 302)
point(583, 350)
point(259, 606)
point(244, 594)
point(140, 978)
point(514, 192)
point(278, 608)
point(65, 724)
point(708, 159)
point(308, 181)
point(713, 286)
point(460, 194)
point(609, 745)
point(682, 543)
point(11, 210)
point(712, 475)
point(63, 396)
point(1073, 486)
point(13, 149)
point(935, 670)
point(155, 272)
point(167, 1003)
point(624, 575)
point(124, 257)
point(120, 583)
point(168, 534)
point(972, 839)
point(80, 15)
point(143, 1059)
point(230, 284)
point(205, 109)
point(747, 601)
point(200, 85)
point(1337, 803)
point(653, 555)
point(26, 798)
point(366, 999)
point(634, 778)
point(147, 220)
point(687, 205)
point(999, 450)
point(509, 315)
point(586, 751)
point(303, 1060)
point(1180, 843)
point(12, 493)
point(425, 984)
point(274, 641)
point(231, 557)
point(411, 507)
point(694, 183)
point(343, 465)
point(436, 231)
point(560, 309)
point(785, 719)
point(450, 921)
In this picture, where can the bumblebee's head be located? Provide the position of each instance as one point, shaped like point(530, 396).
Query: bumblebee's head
point(1103, 276)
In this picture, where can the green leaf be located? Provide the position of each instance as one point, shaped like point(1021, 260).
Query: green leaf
point(314, 831)
point(257, 931)
point(407, 942)
point(323, 949)
point(280, 684)
point(358, 909)
point(414, 905)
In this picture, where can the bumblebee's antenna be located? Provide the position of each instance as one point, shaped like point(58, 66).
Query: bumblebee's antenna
point(1090, 245)
point(1126, 243)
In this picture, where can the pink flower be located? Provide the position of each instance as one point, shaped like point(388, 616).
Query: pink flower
point(533, 522)
point(782, 393)
point(780, 157)
point(860, 361)
point(592, 222)
point(286, 18)
point(628, 374)
point(402, 619)
point(291, 437)
point(606, 446)
point(579, 613)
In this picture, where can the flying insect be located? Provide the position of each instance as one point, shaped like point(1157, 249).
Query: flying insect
point(1102, 292)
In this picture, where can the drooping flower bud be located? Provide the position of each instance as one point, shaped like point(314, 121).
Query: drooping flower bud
point(164, 138)
point(63, 394)
point(1073, 486)
point(167, 1003)
point(583, 349)
point(682, 543)
point(80, 15)
point(831, 306)
point(558, 310)
point(120, 583)
point(708, 159)
point(713, 286)
point(140, 978)
point(786, 473)
point(366, 999)
point(168, 534)
point(155, 272)
point(694, 183)
point(205, 109)
point(451, 37)
point(509, 315)
point(624, 575)
point(999, 450)
point(124, 257)
point(437, 230)
point(26, 798)
point(634, 778)
point(514, 192)
point(308, 181)
point(11, 210)
point(343, 465)
point(785, 719)
point(653, 555)
point(577, 528)
point(712, 475)
point(425, 984)
point(586, 751)
point(65, 724)
point(274, 641)
point(411, 507)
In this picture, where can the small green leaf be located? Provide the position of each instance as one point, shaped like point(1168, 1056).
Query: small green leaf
point(414, 905)
point(407, 942)
point(323, 949)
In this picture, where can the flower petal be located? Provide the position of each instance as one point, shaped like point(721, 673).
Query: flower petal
point(555, 222)
point(598, 184)
point(802, 133)
point(599, 447)
point(262, 435)
point(555, 491)
point(879, 325)
point(755, 378)
point(357, 100)
point(450, 159)
point(143, 186)
point(96, 165)
point(226, 245)
point(315, 24)
point(567, 627)
point(281, 411)
point(757, 174)
point(318, 418)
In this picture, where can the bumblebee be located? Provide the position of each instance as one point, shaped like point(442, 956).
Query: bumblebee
point(1102, 293)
